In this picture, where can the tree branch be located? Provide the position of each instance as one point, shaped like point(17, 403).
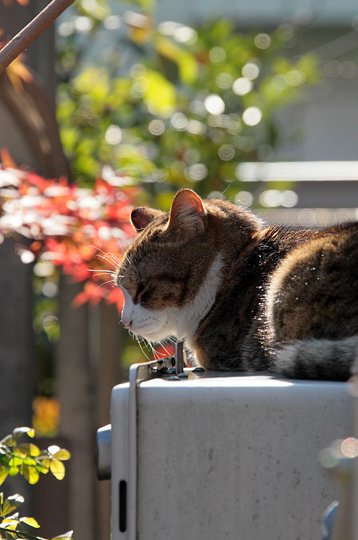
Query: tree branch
point(27, 35)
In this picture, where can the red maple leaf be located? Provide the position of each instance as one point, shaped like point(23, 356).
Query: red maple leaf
point(83, 231)
point(91, 293)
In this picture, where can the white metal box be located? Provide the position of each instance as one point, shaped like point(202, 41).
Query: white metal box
point(216, 457)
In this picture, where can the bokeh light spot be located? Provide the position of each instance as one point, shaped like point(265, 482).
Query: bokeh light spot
point(349, 447)
point(217, 55)
point(197, 172)
point(224, 80)
point(156, 127)
point(179, 121)
point(242, 86)
point(226, 152)
point(295, 77)
point(252, 116)
point(214, 104)
point(113, 135)
point(251, 71)
point(244, 198)
point(262, 41)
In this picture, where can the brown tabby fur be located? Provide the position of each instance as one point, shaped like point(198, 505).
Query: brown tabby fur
point(286, 302)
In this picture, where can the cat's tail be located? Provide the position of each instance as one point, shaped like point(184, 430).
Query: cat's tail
point(320, 359)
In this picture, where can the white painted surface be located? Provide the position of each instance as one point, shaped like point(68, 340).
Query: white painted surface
point(299, 171)
point(229, 457)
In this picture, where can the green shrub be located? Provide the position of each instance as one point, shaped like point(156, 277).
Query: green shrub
point(26, 459)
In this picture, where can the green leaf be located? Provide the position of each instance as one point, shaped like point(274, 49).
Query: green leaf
point(159, 93)
point(10, 523)
point(30, 521)
point(30, 462)
point(28, 449)
point(30, 474)
point(4, 450)
point(53, 449)
point(11, 504)
point(145, 4)
point(3, 475)
point(95, 9)
point(94, 83)
point(43, 465)
point(62, 454)
point(15, 461)
point(65, 536)
point(20, 453)
point(8, 441)
point(185, 60)
point(13, 471)
point(18, 432)
point(58, 469)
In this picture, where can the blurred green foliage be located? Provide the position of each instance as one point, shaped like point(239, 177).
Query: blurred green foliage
point(169, 105)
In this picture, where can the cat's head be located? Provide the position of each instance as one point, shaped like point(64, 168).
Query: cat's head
point(173, 269)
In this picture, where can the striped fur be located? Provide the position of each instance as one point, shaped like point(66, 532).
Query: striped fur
point(244, 296)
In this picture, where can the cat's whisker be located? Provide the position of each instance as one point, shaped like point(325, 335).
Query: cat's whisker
point(120, 244)
point(152, 348)
point(141, 347)
point(104, 271)
point(100, 252)
point(100, 274)
point(106, 283)
point(127, 263)
point(108, 260)
point(165, 349)
point(148, 344)
point(114, 258)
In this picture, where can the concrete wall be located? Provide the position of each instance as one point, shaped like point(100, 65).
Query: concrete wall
point(258, 12)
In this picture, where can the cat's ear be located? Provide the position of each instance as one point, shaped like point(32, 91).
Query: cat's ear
point(142, 216)
point(187, 212)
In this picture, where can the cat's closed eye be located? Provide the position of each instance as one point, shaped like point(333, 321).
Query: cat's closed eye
point(141, 286)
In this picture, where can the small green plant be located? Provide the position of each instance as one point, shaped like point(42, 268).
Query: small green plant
point(28, 460)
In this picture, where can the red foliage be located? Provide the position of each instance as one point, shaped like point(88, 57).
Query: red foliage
point(83, 231)
point(21, 2)
point(163, 351)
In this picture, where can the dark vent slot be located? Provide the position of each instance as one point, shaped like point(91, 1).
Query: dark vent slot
point(122, 506)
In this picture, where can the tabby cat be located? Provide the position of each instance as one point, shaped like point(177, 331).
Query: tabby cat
point(244, 296)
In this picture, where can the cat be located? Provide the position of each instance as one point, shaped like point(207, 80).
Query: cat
point(244, 296)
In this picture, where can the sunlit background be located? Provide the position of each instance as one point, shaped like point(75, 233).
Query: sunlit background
point(255, 102)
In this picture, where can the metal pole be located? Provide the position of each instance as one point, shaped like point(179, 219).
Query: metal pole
point(179, 357)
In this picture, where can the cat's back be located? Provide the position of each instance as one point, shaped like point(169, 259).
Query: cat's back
point(314, 291)
point(331, 249)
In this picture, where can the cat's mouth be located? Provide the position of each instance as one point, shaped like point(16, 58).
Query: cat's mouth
point(152, 328)
point(149, 324)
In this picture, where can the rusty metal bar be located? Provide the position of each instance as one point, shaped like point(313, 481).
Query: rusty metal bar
point(31, 31)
